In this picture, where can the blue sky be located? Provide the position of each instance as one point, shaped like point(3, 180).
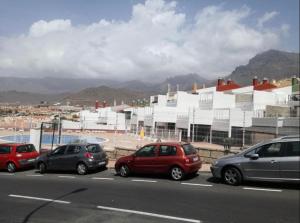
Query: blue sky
point(279, 25)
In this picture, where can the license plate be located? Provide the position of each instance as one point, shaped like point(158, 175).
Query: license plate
point(195, 159)
point(102, 163)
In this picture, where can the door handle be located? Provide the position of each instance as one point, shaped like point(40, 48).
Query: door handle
point(273, 161)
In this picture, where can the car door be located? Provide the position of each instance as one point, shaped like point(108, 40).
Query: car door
point(266, 166)
point(5, 151)
point(290, 162)
point(22, 155)
point(166, 156)
point(55, 161)
point(144, 160)
point(71, 157)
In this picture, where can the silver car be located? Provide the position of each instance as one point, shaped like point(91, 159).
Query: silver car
point(274, 160)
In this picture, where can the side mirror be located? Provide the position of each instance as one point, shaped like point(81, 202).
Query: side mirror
point(254, 156)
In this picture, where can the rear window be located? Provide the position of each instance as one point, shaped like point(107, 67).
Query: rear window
point(189, 149)
point(4, 149)
point(26, 148)
point(94, 148)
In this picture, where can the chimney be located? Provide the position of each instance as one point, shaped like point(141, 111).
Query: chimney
point(169, 88)
point(104, 104)
point(220, 81)
point(194, 88)
point(255, 81)
point(229, 81)
point(265, 80)
point(96, 104)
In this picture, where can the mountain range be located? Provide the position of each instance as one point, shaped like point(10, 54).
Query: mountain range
point(272, 64)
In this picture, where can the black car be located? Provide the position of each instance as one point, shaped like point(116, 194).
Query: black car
point(79, 157)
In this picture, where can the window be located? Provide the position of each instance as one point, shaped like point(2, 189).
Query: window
point(147, 151)
point(189, 149)
point(59, 151)
point(167, 150)
point(94, 148)
point(30, 148)
point(269, 150)
point(4, 149)
point(22, 149)
point(292, 148)
point(73, 149)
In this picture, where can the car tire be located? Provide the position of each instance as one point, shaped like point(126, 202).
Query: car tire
point(11, 167)
point(124, 170)
point(82, 169)
point(42, 167)
point(176, 173)
point(232, 176)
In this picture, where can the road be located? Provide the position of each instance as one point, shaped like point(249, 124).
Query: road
point(102, 196)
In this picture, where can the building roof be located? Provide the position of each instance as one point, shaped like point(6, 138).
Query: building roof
point(264, 86)
point(229, 86)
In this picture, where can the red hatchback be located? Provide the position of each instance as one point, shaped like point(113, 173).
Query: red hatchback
point(14, 156)
point(176, 159)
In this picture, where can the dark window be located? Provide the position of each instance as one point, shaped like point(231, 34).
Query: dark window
point(30, 148)
point(147, 151)
point(22, 149)
point(167, 150)
point(269, 150)
point(59, 151)
point(73, 149)
point(189, 149)
point(4, 149)
point(292, 148)
point(94, 148)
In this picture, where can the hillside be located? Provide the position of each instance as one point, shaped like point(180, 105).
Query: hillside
point(272, 64)
point(103, 93)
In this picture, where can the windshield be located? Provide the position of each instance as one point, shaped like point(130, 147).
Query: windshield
point(189, 149)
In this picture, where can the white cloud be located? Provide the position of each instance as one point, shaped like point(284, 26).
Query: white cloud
point(157, 41)
point(266, 17)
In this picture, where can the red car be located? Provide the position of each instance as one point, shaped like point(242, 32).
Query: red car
point(14, 156)
point(176, 159)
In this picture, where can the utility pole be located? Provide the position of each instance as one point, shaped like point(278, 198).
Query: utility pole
point(193, 131)
point(244, 116)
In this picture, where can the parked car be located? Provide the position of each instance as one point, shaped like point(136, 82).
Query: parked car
point(14, 156)
point(176, 159)
point(273, 160)
point(79, 157)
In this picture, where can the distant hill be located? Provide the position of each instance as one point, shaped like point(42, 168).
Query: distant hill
point(272, 64)
point(103, 93)
point(28, 97)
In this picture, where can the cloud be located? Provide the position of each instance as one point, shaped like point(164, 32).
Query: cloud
point(266, 17)
point(157, 41)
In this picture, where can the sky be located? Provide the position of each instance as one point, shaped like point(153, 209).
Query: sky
point(134, 39)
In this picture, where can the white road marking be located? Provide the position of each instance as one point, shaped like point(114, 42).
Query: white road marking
point(102, 178)
point(262, 189)
point(147, 181)
point(7, 174)
point(66, 177)
point(149, 214)
point(34, 175)
point(202, 185)
point(39, 198)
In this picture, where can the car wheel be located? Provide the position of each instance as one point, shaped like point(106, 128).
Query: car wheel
point(11, 167)
point(232, 176)
point(124, 171)
point(42, 168)
point(81, 169)
point(177, 173)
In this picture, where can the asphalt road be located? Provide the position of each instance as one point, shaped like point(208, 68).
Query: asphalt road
point(28, 196)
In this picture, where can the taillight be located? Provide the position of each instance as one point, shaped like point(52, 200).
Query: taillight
point(89, 155)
